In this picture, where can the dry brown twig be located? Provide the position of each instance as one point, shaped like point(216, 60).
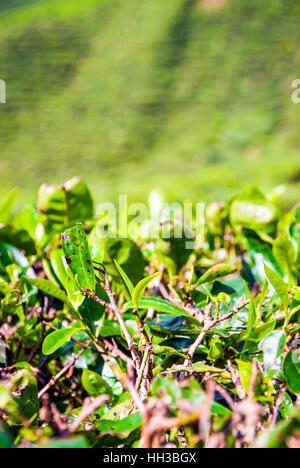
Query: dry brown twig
point(209, 323)
point(113, 307)
point(204, 412)
point(50, 415)
point(88, 408)
point(277, 407)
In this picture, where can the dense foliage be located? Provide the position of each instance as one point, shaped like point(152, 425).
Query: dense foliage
point(96, 87)
point(140, 342)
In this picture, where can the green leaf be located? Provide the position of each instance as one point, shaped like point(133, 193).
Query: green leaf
point(128, 255)
point(24, 387)
point(58, 265)
point(17, 237)
point(291, 367)
point(279, 285)
point(28, 219)
point(285, 406)
point(169, 386)
point(171, 325)
point(260, 332)
point(251, 210)
point(5, 439)
point(285, 254)
point(78, 257)
point(216, 349)
point(5, 288)
point(128, 424)
point(92, 313)
point(57, 339)
point(196, 397)
point(140, 289)
point(168, 351)
point(61, 205)
point(245, 371)
point(125, 278)
point(94, 384)
point(252, 310)
point(200, 367)
point(48, 287)
point(271, 346)
point(160, 305)
point(71, 443)
point(72, 290)
point(216, 272)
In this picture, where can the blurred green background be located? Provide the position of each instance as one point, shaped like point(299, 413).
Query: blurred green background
point(189, 97)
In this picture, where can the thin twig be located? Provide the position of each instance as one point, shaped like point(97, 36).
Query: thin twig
point(112, 305)
point(88, 408)
point(141, 326)
point(237, 381)
point(65, 369)
point(142, 368)
point(124, 380)
point(226, 396)
point(277, 407)
point(209, 323)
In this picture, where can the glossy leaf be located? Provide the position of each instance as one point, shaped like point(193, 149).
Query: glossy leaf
point(57, 339)
point(140, 289)
point(48, 287)
point(92, 313)
point(174, 325)
point(260, 332)
point(94, 384)
point(272, 347)
point(160, 305)
point(252, 310)
point(168, 350)
point(279, 285)
point(251, 210)
point(216, 272)
point(286, 256)
point(128, 424)
point(78, 257)
point(126, 253)
point(24, 388)
point(125, 278)
point(60, 205)
point(245, 371)
point(17, 237)
point(292, 370)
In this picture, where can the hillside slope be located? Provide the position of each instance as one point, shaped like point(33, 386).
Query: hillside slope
point(147, 94)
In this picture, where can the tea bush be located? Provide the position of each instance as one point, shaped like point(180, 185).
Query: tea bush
point(139, 342)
